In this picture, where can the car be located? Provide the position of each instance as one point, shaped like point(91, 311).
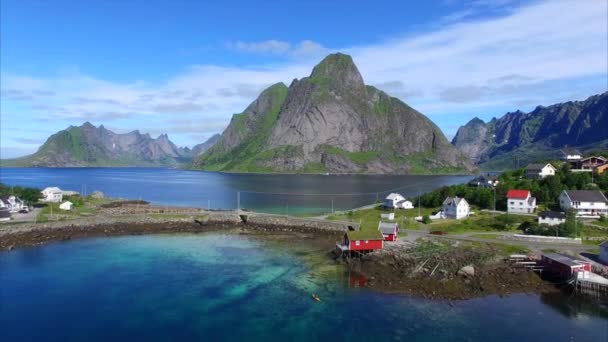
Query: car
point(24, 211)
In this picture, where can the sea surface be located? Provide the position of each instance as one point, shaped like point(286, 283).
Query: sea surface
point(286, 194)
point(216, 287)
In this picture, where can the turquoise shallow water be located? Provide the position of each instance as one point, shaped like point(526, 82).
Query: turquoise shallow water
point(232, 287)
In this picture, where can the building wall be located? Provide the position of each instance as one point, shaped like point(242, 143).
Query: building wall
point(550, 221)
point(365, 245)
point(519, 205)
point(585, 209)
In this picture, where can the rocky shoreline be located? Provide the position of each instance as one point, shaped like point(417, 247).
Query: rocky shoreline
point(457, 274)
point(451, 273)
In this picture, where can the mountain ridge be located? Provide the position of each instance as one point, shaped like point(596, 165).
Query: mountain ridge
point(331, 122)
point(517, 138)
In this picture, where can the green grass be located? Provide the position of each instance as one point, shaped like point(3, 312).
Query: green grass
point(369, 218)
point(481, 222)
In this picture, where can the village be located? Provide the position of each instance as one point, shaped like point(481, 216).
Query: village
point(577, 209)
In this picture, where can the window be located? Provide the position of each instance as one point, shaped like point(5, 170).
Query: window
point(511, 203)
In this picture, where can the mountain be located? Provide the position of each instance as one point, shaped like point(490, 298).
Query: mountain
point(332, 122)
point(201, 148)
point(519, 138)
point(88, 145)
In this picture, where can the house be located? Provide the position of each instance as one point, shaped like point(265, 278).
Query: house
point(392, 200)
point(598, 170)
point(586, 203)
point(455, 208)
point(361, 241)
point(563, 266)
point(571, 154)
point(604, 252)
point(536, 171)
point(52, 194)
point(388, 216)
point(482, 181)
point(67, 205)
point(551, 218)
point(5, 215)
point(588, 164)
point(406, 204)
point(389, 230)
point(520, 201)
point(12, 203)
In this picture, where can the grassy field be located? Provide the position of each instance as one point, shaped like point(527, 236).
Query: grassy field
point(481, 222)
point(369, 218)
point(82, 206)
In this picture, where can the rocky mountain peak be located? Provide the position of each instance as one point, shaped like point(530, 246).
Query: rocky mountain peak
point(338, 70)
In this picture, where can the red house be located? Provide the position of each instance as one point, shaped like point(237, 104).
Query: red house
point(563, 266)
point(361, 241)
point(389, 230)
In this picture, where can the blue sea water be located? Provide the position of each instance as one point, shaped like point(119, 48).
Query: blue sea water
point(216, 287)
point(287, 194)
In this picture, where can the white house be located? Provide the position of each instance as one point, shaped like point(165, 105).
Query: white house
point(52, 194)
point(455, 208)
point(520, 201)
point(406, 205)
point(604, 252)
point(535, 171)
point(12, 203)
point(393, 201)
point(67, 205)
point(586, 203)
point(551, 218)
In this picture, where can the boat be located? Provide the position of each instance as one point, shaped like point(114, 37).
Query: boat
point(316, 297)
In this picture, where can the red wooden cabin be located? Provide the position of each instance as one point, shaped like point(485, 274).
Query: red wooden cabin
point(563, 266)
point(389, 230)
point(362, 241)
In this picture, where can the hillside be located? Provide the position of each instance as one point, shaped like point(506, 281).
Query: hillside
point(87, 145)
point(518, 138)
point(332, 122)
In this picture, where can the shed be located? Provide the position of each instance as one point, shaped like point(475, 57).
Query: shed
point(363, 240)
point(563, 266)
point(67, 205)
point(389, 230)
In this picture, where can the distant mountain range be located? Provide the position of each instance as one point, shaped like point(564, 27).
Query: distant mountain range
point(332, 122)
point(518, 138)
point(87, 145)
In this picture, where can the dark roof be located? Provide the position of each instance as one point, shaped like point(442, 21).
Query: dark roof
point(387, 228)
point(552, 214)
point(4, 213)
point(563, 259)
point(538, 166)
point(586, 196)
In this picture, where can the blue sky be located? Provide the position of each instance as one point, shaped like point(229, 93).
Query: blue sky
point(184, 67)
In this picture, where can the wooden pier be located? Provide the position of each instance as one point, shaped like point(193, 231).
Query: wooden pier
point(591, 284)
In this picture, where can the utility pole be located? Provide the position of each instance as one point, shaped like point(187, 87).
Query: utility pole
point(332, 205)
point(418, 203)
point(494, 199)
point(238, 201)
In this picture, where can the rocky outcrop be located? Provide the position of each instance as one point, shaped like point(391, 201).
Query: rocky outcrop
point(518, 138)
point(199, 149)
point(332, 122)
point(88, 145)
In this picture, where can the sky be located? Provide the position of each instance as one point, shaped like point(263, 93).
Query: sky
point(183, 67)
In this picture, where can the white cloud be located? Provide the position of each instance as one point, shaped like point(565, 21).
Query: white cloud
point(305, 48)
point(534, 53)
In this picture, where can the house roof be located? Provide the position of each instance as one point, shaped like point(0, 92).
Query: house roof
point(537, 166)
point(52, 189)
point(518, 193)
point(4, 213)
point(454, 200)
point(67, 202)
point(552, 214)
point(387, 227)
point(586, 196)
point(596, 157)
point(393, 195)
point(563, 259)
point(365, 234)
point(570, 151)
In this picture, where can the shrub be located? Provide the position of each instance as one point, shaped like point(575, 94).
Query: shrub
point(426, 219)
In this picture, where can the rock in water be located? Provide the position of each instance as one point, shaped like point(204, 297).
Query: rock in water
point(332, 122)
point(468, 271)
